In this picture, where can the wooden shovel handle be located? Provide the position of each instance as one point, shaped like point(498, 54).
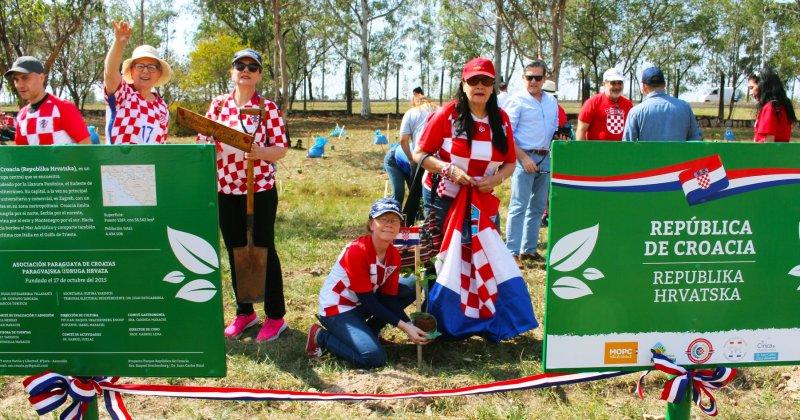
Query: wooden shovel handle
point(250, 188)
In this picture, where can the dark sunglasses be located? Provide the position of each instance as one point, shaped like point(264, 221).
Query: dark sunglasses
point(530, 77)
point(251, 67)
point(484, 80)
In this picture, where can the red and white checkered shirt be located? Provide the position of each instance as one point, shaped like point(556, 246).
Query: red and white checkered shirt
point(231, 164)
point(358, 270)
point(132, 119)
point(479, 160)
point(55, 121)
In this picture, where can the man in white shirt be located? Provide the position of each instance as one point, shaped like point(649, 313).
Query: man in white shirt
point(533, 114)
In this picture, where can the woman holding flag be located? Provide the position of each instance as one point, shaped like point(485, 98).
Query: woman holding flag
point(362, 294)
point(469, 144)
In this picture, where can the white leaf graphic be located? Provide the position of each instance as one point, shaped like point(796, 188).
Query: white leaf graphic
point(592, 273)
point(193, 252)
point(174, 277)
point(197, 291)
point(795, 271)
point(570, 288)
point(572, 250)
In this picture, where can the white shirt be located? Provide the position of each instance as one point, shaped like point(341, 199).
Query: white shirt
point(533, 122)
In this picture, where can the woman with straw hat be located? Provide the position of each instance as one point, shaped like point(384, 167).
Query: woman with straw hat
point(135, 112)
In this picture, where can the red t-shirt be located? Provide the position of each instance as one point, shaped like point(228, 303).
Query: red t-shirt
point(768, 123)
point(55, 121)
point(358, 270)
point(562, 116)
point(605, 117)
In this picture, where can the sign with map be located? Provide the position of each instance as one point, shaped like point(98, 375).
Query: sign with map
point(691, 250)
point(109, 261)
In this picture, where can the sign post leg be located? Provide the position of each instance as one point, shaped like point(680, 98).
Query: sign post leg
point(683, 410)
point(418, 302)
point(92, 413)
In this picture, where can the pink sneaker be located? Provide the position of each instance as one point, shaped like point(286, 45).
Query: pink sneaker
point(312, 347)
point(239, 324)
point(271, 329)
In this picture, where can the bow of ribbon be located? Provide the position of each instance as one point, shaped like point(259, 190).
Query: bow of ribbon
point(702, 382)
point(49, 390)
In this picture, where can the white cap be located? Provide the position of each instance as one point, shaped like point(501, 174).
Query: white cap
point(549, 86)
point(613, 75)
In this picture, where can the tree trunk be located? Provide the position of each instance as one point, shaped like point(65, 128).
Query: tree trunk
point(366, 111)
point(721, 91)
point(676, 85)
point(557, 15)
point(280, 53)
point(397, 91)
point(498, 49)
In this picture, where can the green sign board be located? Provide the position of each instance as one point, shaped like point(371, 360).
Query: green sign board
point(687, 249)
point(108, 261)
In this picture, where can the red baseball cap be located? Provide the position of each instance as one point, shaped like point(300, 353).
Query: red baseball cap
point(478, 66)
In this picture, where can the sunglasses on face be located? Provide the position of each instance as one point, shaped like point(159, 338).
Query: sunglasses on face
point(484, 80)
point(251, 67)
point(149, 67)
point(530, 77)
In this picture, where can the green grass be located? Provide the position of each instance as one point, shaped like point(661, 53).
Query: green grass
point(323, 205)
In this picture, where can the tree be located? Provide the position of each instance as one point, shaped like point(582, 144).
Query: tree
point(539, 23)
point(356, 19)
point(39, 28)
point(80, 67)
point(209, 66)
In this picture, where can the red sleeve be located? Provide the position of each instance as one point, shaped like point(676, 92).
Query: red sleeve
point(586, 111)
point(767, 121)
point(274, 128)
point(392, 284)
point(437, 128)
point(73, 122)
point(562, 116)
point(356, 264)
point(511, 154)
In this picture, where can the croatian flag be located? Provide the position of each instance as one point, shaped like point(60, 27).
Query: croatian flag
point(408, 236)
point(703, 179)
point(479, 289)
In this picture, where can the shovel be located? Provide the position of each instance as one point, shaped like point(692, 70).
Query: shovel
point(250, 262)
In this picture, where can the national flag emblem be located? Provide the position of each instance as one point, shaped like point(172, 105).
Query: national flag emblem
point(703, 181)
point(408, 236)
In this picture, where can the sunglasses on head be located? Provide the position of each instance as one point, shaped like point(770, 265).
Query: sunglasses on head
point(251, 67)
point(484, 80)
point(530, 77)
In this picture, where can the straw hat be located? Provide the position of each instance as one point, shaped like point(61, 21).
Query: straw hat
point(146, 51)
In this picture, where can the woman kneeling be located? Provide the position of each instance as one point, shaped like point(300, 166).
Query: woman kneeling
point(362, 294)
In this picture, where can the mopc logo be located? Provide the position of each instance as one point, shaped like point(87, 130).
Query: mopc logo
point(699, 351)
point(621, 352)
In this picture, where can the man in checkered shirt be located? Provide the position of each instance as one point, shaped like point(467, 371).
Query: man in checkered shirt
point(135, 112)
point(46, 119)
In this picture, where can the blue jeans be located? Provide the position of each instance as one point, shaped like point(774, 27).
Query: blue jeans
point(353, 335)
point(397, 177)
point(528, 201)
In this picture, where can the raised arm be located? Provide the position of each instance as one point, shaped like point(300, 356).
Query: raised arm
point(111, 75)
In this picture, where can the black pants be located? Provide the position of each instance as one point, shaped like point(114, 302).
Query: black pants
point(233, 224)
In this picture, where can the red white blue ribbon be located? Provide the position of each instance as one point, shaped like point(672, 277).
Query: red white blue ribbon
point(701, 180)
point(48, 391)
point(36, 385)
point(702, 382)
